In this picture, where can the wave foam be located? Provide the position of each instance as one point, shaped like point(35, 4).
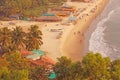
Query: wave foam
point(96, 42)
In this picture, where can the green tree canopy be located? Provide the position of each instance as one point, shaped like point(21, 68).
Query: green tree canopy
point(16, 61)
point(34, 39)
point(115, 70)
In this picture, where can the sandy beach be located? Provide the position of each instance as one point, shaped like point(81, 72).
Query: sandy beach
point(73, 46)
point(61, 39)
point(24, 24)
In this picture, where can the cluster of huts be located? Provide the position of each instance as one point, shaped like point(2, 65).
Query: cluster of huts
point(38, 58)
point(55, 14)
point(83, 0)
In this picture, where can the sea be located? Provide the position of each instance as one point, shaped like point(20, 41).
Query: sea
point(105, 38)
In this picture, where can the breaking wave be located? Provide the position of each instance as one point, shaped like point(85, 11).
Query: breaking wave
point(97, 43)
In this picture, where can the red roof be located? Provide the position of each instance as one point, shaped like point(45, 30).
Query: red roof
point(25, 53)
point(45, 60)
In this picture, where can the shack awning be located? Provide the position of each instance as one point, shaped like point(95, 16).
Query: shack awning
point(48, 14)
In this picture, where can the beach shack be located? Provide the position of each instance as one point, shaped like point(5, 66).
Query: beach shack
point(64, 10)
point(39, 58)
point(37, 54)
point(83, 0)
point(14, 17)
point(49, 17)
point(46, 61)
point(87, 0)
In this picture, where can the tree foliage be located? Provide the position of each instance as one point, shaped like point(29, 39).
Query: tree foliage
point(92, 67)
point(25, 7)
point(13, 67)
point(17, 39)
point(34, 39)
point(115, 70)
point(38, 73)
point(5, 39)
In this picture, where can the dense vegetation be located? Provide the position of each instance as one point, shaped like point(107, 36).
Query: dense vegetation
point(92, 67)
point(15, 67)
point(26, 7)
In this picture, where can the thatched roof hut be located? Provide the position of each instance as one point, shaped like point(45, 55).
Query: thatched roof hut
point(83, 0)
point(64, 8)
point(49, 17)
point(45, 60)
point(14, 16)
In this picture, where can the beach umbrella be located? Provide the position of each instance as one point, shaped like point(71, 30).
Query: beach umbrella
point(53, 75)
point(72, 18)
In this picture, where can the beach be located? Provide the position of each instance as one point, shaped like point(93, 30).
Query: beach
point(74, 45)
point(63, 38)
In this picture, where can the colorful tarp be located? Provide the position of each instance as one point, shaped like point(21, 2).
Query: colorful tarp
point(52, 75)
point(37, 54)
point(48, 14)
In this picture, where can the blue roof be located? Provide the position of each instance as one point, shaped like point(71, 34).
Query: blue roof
point(39, 52)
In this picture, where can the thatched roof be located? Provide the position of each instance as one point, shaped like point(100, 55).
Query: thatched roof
point(63, 8)
point(48, 18)
point(47, 14)
point(45, 60)
point(82, 0)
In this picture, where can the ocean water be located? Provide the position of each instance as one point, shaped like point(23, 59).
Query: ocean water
point(106, 37)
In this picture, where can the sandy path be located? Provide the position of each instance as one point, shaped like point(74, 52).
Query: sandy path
point(24, 24)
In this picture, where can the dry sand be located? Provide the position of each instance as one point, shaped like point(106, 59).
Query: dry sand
point(24, 24)
point(73, 45)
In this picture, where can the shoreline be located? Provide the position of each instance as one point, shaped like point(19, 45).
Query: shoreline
point(93, 27)
point(74, 45)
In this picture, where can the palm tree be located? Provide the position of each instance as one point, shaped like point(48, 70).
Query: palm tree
point(5, 39)
point(34, 39)
point(18, 38)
